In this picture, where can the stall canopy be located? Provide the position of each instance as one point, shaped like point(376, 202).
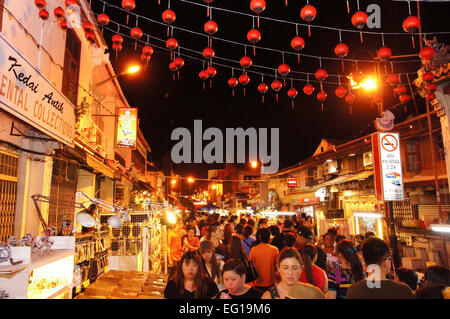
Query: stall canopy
point(347, 178)
point(209, 207)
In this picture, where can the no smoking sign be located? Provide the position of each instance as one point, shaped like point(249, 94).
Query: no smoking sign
point(389, 143)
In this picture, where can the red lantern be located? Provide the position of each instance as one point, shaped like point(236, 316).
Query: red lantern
point(321, 97)
point(427, 54)
point(308, 89)
point(276, 86)
point(169, 16)
point(179, 62)
point(64, 25)
point(284, 69)
point(233, 82)
point(117, 47)
point(147, 51)
point(431, 87)
point(244, 79)
point(359, 20)
point(321, 75)
point(258, 6)
point(384, 53)
point(117, 38)
point(246, 62)
point(358, 77)
point(341, 50)
point(71, 3)
point(377, 99)
point(40, 3)
point(428, 77)
point(88, 27)
point(292, 93)
point(297, 44)
point(145, 58)
point(43, 14)
point(203, 76)
point(254, 36)
point(90, 36)
point(401, 89)
point(340, 91)
point(171, 44)
point(349, 99)
point(262, 88)
point(404, 98)
point(136, 33)
point(393, 80)
point(308, 14)
point(103, 19)
point(173, 68)
point(208, 53)
point(128, 5)
point(210, 27)
point(59, 13)
point(211, 71)
point(411, 24)
point(431, 96)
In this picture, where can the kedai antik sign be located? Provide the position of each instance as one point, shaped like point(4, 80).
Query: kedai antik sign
point(26, 94)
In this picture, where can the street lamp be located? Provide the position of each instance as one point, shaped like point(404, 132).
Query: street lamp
point(131, 70)
point(254, 164)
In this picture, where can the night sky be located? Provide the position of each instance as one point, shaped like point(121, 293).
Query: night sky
point(165, 104)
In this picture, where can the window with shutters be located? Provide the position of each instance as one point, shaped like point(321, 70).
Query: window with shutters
point(71, 67)
point(8, 193)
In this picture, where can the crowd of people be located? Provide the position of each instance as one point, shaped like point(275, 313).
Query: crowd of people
point(216, 257)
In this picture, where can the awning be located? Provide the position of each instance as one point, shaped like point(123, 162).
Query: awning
point(347, 178)
point(99, 166)
point(423, 179)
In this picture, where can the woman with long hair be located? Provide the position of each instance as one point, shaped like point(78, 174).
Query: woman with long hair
point(190, 280)
point(248, 239)
point(235, 249)
point(352, 270)
point(227, 233)
point(212, 266)
point(289, 265)
point(234, 280)
point(311, 273)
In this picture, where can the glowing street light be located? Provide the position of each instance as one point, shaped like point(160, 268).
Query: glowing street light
point(369, 84)
point(213, 186)
point(359, 80)
point(131, 70)
point(190, 180)
point(174, 181)
point(254, 164)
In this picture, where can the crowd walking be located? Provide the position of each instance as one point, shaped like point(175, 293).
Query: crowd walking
point(244, 258)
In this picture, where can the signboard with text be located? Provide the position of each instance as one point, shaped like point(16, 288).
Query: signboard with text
point(29, 96)
point(292, 182)
point(388, 166)
point(127, 127)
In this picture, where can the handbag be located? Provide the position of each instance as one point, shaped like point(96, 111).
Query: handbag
point(251, 271)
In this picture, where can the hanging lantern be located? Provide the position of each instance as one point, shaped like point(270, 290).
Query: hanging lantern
point(172, 44)
point(244, 79)
point(208, 53)
point(136, 33)
point(145, 58)
point(43, 14)
point(59, 13)
point(428, 77)
point(179, 62)
point(297, 44)
point(117, 47)
point(254, 36)
point(88, 27)
point(359, 20)
point(426, 54)
point(41, 4)
point(341, 50)
point(128, 6)
point(262, 89)
point(276, 86)
point(340, 91)
point(71, 3)
point(411, 25)
point(246, 62)
point(258, 6)
point(308, 13)
point(401, 89)
point(103, 19)
point(431, 96)
point(203, 76)
point(404, 98)
point(211, 71)
point(292, 93)
point(117, 38)
point(431, 87)
point(349, 99)
point(147, 51)
point(321, 97)
point(284, 69)
point(90, 36)
point(233, 82)
point(384, 53)
point(321, 75)
point(308, 89)
point(210, 27)
point(169, 16)
point(173, 68)
point(393, 80)
point(64, 25)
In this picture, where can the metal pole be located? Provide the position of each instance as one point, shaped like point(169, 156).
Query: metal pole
point(433, 155)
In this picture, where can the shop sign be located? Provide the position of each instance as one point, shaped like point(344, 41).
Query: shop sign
point(309, 200)
point(321, 193)
point(292, 182)
point(127, 127)
point(388, 166)
point(29, 96)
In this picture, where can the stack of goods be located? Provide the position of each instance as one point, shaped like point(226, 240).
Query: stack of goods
point(126, 285)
